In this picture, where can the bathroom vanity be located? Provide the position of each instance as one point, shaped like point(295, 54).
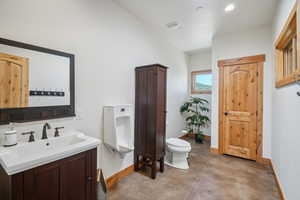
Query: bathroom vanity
point(61, 168)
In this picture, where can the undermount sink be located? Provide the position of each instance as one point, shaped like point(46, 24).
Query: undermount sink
point(25, 156)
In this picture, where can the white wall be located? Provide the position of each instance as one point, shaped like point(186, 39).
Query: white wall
point(248, 43)
point(200, 60)
point(108, 43)
point(285, 135)
point(197, 61)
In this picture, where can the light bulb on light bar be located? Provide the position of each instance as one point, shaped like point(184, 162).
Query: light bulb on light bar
point(229, 7)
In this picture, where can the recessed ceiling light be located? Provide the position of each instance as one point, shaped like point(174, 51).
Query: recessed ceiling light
point(199, 8)
point(229, 7)
point(173, 25)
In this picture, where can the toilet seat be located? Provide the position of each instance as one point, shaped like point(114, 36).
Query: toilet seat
point(178, 143)
point(179, 149)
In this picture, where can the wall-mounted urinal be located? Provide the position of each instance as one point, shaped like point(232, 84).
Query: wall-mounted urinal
point(118, 128)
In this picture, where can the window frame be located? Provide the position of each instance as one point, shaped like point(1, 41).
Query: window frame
point(193, 82)
point(287, 34)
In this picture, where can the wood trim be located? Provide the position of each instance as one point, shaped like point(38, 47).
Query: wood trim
point(185, 136)
point(297, 5)
point(191, 135)
point(208, 71)
point(221, 109)
point(206, 137)
point(286, 25)
point(193, 74)
point(259, 59)
point(277, 180)
point(112, 181)
point(243, 60)
point(292, 78)
point(279, 64)
point(260, 110)
point(289, 30)
point(265, 161)
point(201, 92)
point(214, 150)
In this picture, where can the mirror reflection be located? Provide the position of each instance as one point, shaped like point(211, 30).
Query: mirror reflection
point(33, 79)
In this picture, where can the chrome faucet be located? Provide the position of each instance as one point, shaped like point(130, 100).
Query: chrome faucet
point(45, 127)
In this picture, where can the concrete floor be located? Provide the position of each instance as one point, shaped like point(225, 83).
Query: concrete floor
point(210, 177)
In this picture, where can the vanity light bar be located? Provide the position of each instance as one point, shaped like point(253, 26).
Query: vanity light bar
point(46, 93)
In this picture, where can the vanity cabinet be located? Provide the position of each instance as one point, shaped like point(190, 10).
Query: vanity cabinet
point(72, 178)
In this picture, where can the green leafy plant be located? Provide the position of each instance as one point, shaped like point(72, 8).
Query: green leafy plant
point(195, 112)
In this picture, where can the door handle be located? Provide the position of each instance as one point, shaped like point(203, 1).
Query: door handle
point(225, 113)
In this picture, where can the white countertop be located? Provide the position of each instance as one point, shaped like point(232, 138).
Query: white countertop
point(26, 155)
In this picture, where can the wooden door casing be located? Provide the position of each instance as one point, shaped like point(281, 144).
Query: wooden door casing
point(14, 81)
point(241, 107)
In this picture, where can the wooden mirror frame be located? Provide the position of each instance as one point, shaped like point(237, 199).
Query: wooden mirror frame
point(29, 114)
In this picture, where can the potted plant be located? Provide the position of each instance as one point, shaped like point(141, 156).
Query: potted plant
point(195, 111)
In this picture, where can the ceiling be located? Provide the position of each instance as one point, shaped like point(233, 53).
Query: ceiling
point(197, 28)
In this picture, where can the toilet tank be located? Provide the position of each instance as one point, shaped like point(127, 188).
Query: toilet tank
point(118, 127)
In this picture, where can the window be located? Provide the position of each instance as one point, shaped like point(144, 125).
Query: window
point(287, 64)
point(201, 82)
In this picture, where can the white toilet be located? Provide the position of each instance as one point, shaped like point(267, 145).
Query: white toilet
point(177, 153)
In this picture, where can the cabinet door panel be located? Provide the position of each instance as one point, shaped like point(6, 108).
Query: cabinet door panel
point(74, 178)
point(92, 173)
point(42, 183)
point(17, 189)
point(161, 113)
point(150, 138)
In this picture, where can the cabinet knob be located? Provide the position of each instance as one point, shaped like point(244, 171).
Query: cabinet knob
point(89, 178)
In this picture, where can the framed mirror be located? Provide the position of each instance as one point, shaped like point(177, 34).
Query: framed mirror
point(36, 83)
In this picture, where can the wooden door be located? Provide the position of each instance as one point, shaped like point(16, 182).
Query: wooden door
point(13, 81)
point(240, 107)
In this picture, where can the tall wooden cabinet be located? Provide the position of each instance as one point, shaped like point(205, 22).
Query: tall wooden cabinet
point(150, 117)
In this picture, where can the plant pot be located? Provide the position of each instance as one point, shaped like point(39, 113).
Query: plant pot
point(199, 137)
